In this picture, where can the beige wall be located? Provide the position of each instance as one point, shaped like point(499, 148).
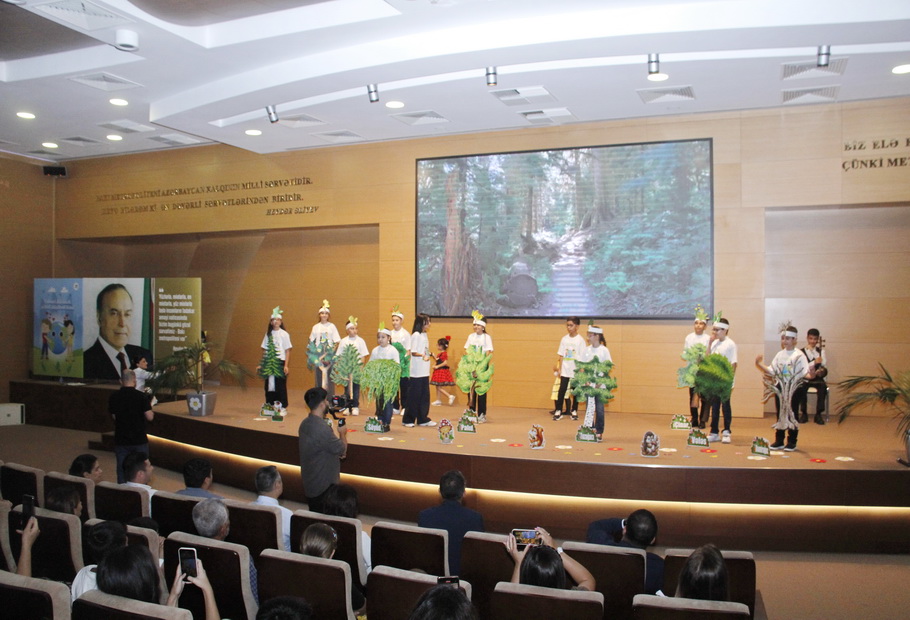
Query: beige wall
point(357, 248)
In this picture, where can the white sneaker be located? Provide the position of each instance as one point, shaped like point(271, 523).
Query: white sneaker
point(396, 411)
point(409, 425)
point(427, 423)
point(436, 403)
point(726, 437)
point(355, 411)
point(713, 437)
point(451, 399)
point(482, 418)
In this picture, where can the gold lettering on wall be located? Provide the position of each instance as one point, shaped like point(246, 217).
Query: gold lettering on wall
point(875, 154)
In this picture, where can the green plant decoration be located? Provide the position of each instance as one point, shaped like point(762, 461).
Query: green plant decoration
point(271, 365)
point(714, 378)
point(379, 380)
point(185, 369)
point(405, 356)
point(592, 380)
point(685, 376)
point(474, 372)
point(884, 389)
point(347, 369)
point(319, 353)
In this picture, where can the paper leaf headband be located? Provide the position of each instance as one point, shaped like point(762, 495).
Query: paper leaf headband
point(277, 312)
point(352, 320)
point(397, 312)
point(701, 314)
point(478, 318)
point(382, 329)
point(325, 306)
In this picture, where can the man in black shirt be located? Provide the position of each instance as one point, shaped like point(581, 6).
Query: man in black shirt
point(131, 410)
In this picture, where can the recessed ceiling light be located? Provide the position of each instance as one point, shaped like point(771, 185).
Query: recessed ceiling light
point(253, 132)
point(114, 137)
point(119, 102)
point(394, 104)
point(658, 77)
point(49, 145)
point(27, 115)
point(901, 69)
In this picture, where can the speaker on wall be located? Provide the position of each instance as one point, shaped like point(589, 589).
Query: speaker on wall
point(55, 171)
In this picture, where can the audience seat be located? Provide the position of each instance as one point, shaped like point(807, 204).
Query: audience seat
point(173, 512)
point(7, 561)
point(96, 605)
point(325, 584)
point(394, 592)
point(618, 571)
point(134, 536)
point(484, 563)
point(57, 552)
point(86, 487)
point(740, 569)
point(410, 547)
point(118, 502)
point(649, 607)
point(350, 539)
point(512, 600)
point(18, 480)
point(228, 568)
point(254, 526)
point(28, 597)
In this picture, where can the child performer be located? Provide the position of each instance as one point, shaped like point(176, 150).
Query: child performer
point(481, 341)
point(597, 347)
point(793, 362)
point(385, 351)
point(698, 336)
point(442, 375)
point(142, 372)
point(325, 333)
point(570, 347)
point(418, 403)
point(353, 340)
point(400, 335)
point(276, 388)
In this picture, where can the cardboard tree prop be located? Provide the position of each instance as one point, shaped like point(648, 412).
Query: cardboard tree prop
point(379, 380)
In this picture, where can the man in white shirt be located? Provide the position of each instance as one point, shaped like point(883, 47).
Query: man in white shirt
point(138, 470)
point(269, 486)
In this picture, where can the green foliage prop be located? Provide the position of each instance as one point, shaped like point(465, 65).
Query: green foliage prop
point(379, 380)
point(405, 356)
point(884, 389)
point(319, 353)
point(347, 368)
point(714, 378)
point(685, 376)
point(271, 365)
point(592, 380)
point(474, 372)
point(184, 369)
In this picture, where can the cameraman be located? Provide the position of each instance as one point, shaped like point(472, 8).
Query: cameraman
point(320, 451)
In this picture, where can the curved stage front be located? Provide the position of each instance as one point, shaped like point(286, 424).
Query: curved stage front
point(842, 491)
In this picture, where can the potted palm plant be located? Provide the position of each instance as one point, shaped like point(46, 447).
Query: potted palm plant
point(186, 369)
point(884, 389)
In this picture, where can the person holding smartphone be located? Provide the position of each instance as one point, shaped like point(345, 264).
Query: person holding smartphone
point(547, 565)
point(29, 533)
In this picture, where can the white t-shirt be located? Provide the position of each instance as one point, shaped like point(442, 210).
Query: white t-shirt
point(481, 341)
point(387, 352)
point(601, 352)
point(569, 349)
point(694, 339)
point(420, 343)
point(282, 341)
point(325, 331)
point(796, 358)
point(401, 335)
point(357, 342)
point(86, 579)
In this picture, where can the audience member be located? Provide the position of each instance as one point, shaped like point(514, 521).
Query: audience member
point(131, 411)
point(639, 531)
point(29, 535)
point(451, 516)
point(100, 540)
point(704, 576)
point(87, 466)
point(321, 540)
point(211, 519)
point(341, 501)
point(321, 452)
point(444, 602)
point(270, 486)
point(285, 608)
point(547, 566)
point(198, 476)
point(65, 499)
point(138, 470)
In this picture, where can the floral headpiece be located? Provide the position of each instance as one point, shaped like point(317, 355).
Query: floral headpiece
point(352, 321)
point(701, 314)
point(478, 318)
point(325, 306)
point(277, 312)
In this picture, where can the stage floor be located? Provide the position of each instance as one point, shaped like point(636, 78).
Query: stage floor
point(861, 443)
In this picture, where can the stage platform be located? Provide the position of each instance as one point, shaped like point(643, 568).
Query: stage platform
point(843, 490)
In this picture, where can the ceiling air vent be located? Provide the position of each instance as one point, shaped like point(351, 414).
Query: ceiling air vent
point(664, 95)
point(426, 117)
point(825, 94)
point(43, 152)
point(809, 69)
point(127, 126)
point(524, 95)
point(105, 81)
point(82, 14)
point(300, 121)
point(339, 137)
point(550, 116)
point(175, 139)
point(80, 141)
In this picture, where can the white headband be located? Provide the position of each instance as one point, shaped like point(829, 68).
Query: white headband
point(385, 331)
point(723, 326)
point(400, 315)
point(594, 330)
point(479, 322)
point(789, 333)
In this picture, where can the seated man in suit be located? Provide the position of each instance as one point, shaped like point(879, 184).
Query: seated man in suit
point(639, 531)
point(111, 355)
point(451, 516)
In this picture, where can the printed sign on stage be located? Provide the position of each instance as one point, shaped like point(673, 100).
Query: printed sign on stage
point(57, 327)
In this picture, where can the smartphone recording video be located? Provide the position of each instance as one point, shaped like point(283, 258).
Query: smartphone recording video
point(187, 557)
point(526, 537)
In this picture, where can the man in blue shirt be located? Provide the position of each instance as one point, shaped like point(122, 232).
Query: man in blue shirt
point(451, 516)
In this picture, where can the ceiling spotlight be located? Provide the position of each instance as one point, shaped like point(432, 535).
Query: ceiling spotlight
point(50, 145)
point(126, 40)
point(901, 70)
point(120, 102)
point(253, 132)
point(115, 138)
point(491, 76)
point(272, 113)
point(26, 115)
point(373, 92)
point(394, 105)
point(654, 73)
point(824, 56)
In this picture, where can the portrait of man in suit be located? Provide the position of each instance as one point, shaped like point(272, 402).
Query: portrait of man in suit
point(112, 354)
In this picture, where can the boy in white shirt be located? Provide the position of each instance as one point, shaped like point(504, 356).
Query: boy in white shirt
point(793, 361)
point(698, 336)
point(353, 340)
point(722, 345)
point(570, 347)
point(385, 351)
point(403, 337)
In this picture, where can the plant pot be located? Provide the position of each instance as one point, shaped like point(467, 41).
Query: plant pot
point(201, 403)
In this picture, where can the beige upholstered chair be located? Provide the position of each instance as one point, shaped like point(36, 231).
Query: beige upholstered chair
point(18, 480)
point(174, 512)
point(350, 539)
point(410, 547)
point(394, 592)
point(649, 607)
point(740, 569)
point(57, 552)
point(7, 561)
point(29, 597)
point(512, 600)
point(119, 502)
point(618, 571)
point(256, 527)
point(86, 487)
point(97, 605)
point(134, 536)
point(325, 584)
point(484, 563)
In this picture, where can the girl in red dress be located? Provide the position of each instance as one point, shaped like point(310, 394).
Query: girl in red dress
point(442, 376)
